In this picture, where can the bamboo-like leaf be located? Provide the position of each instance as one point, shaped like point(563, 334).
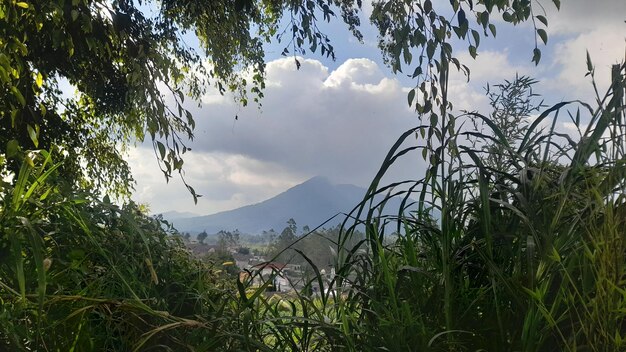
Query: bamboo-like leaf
point(543, 35)
point(533, 126)
point(37, 250)
point(184, 323)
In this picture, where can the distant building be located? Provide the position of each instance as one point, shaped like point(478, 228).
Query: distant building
point(201, 249)
point(271, 271)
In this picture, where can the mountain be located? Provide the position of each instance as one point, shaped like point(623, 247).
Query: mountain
point(176, 215)
point(310, 203)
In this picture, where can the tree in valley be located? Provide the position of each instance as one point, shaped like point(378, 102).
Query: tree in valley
point(283, 242)
point(227, 241)
point(202, 236)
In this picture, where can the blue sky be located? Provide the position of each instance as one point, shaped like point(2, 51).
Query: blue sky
point(339, 118)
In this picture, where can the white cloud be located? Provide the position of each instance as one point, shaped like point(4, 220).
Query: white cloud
point(581, 16)
point(606, 46)
point(338, 124)
point(491, 66)
point(224, 181)
point(356, 72)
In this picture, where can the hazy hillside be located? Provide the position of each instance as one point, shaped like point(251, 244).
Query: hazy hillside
point(310, 203)
point(176, 215)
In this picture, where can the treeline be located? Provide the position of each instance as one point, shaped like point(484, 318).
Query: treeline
point(291, 245)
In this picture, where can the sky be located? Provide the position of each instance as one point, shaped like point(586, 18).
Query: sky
point(339, 118)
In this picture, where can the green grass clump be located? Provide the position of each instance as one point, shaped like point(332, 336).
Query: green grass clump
point(526, 254)
point(82, 274)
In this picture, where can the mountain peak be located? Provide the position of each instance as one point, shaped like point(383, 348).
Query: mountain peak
point(318, 179)
point(309, 203)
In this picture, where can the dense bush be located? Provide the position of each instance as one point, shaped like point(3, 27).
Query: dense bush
point(84, 274)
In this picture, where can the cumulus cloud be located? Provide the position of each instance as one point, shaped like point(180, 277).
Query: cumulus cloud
point(355, 72)
point(224, 181)
point(581, 16)
point(606, 46)
point(339, 124)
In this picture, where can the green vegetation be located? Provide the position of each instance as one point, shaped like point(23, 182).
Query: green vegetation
point(527, 254)
point(82, 274)
point(521, 252)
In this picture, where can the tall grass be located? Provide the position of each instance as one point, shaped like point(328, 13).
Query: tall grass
point(81, 274)
point(528, 256)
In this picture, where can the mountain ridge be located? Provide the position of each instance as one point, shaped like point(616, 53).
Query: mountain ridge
point(310, 203)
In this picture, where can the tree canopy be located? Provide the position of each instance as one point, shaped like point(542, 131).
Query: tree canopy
point(131, 66)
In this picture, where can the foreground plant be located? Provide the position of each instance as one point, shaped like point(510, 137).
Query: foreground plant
point(525, 253)
point(78, 273)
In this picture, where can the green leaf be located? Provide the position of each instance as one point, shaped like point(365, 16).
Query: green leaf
point(427, 106)
point(161, 149)
point(33, 135)
point(411, 96)
point(407, 56)
point(461, 17)
point(472, 51)
point(417, 72)
point(484, 18)
point(434, 119)
point(492, 28)
point(458, 31)
point(13, 148)
point(430, 49)
point(476, 36)
point(543, 35)
point(14, 113)
point(4, 75)
point(428, 6)
point(455, 5)
point(536, 56)
point(74, 15)
point(22, 4)
point(18, 95)
point(542, 19)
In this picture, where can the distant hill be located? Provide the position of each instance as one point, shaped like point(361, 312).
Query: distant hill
point(176, 215)
point(310, 203)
